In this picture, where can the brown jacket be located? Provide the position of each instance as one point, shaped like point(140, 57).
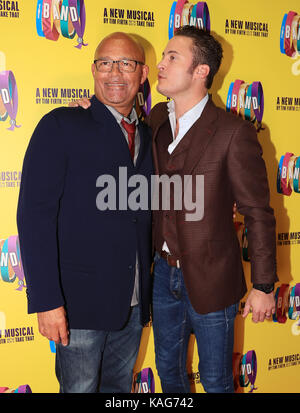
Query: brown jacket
point(225, 149)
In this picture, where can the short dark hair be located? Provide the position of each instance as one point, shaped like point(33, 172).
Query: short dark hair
point(206, 50)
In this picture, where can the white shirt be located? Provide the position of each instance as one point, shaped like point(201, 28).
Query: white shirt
point(186, 121)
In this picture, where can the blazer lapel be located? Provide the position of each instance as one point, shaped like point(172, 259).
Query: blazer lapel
point(202, 132)
point(142, 128)
point(107, 122)
point(200, 136)
point(164, 117)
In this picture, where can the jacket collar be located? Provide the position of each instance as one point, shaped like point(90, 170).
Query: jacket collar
point(202, 132)
point(199, 136)
point(102, 115)
point(99, 111)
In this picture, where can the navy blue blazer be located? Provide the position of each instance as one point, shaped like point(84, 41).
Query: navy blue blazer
point(73, 254)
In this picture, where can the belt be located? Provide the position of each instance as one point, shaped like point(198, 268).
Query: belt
point(171, 259)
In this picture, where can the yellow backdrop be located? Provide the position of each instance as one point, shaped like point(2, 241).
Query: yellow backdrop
point(41, 69)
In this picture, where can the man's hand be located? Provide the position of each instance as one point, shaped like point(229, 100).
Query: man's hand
point(83, 102)
point(262, 305)
point(53, 325)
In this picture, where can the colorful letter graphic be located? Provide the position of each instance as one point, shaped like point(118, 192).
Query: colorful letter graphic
point(21, 389)
point(287, 302)
point(288, 174)
point(10, 261)
point(65, 17)
point(184, 13)
point(143, 382)
point(143, 100)
point(246, 100)
point(290, 34)
point(8, 98)
point(245, 370)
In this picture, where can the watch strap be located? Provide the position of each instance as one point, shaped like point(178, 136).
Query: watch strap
point(266, 288)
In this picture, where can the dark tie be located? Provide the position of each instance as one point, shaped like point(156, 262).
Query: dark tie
point(130, 129)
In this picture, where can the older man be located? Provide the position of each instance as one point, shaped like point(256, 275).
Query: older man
point(87, 267)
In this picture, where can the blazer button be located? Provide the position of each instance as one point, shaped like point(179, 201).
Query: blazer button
point(134, 220)
point(130, 267)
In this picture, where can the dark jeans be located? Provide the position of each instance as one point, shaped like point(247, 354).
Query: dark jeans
point(174, 319)
point(99, 361)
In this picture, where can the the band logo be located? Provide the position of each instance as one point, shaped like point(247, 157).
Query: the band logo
point(143, 100)
point(290, 34)
point(143, 382)
point(65, 17)
point(21, 389)
point(288, 174)
point(245, 370)
point(8, 98)
point(287, 303)
point(10, 262)
point(246, 100)
point(184, 13)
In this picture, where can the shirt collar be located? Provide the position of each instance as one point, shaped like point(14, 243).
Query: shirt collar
point(118, 116)
point(194, 112)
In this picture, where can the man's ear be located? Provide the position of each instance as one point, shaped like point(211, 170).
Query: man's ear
point(93, 68)
point(202, 71)
point(145, 72)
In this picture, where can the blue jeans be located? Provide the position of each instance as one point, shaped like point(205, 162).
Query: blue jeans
point(174, 319)
point(99, 361)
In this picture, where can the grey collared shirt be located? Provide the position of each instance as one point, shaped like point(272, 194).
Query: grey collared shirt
point(132, 118)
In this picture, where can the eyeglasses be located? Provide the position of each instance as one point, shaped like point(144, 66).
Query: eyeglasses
point(125, 65)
